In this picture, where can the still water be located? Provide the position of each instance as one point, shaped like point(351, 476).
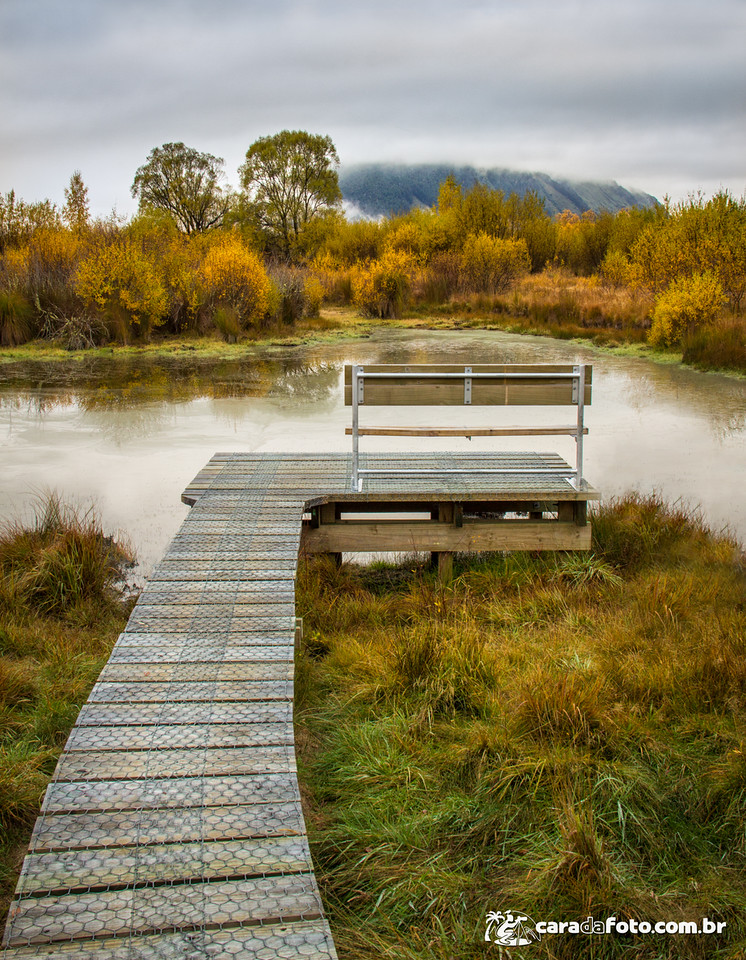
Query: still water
point(129, 434)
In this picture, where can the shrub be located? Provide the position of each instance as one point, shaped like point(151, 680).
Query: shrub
point(718, 346)
point(14, 268)
point(52, 259)
point(335, 279)
point(228, 323)
point(438, 281)
point(61, 561)
point(313, 290)
point(234, 276)
point(180, 264)
point(489, 264)
point(616, 270)
point(15, 318)
point(688, 304)
point(289, 301)
point(117, 278)
point(380, 289)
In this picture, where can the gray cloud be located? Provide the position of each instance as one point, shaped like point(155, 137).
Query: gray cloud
point(650, 93)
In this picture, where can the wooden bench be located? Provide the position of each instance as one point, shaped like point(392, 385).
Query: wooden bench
point(468, 385)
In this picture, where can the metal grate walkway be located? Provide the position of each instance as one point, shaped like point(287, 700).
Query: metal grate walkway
point(173, 826)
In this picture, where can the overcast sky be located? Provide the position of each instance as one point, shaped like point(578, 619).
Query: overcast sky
point(650, 93)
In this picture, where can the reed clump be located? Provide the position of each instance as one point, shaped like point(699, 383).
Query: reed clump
point(62, 604)
point(557, 734)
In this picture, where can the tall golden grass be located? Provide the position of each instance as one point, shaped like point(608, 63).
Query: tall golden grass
point(557, 734)
point(62, 606)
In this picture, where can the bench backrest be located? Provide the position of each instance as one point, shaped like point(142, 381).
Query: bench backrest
point(467, 385)
point(424, 384)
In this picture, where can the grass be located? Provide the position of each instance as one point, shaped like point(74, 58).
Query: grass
point(558, 734)
point(558, 304)
point(561, 734)
point(332, 324)
point(61, 609)
point(554, 303)
point(719, 346)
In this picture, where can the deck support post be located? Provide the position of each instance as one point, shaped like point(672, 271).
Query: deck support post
point(444, 558)
point(445, 566)
point(579, 371)
point(327, 514)
point(356, 381)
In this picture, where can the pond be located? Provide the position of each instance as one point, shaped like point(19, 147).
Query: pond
point(128, 434)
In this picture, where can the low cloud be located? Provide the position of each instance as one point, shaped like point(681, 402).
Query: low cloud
point(650, 93)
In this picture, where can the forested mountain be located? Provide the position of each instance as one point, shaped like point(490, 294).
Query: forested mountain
point(378, 189)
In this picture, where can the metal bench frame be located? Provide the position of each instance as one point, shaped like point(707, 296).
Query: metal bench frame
point(578, 430)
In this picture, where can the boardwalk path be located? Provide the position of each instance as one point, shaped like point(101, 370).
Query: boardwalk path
point(173, 826)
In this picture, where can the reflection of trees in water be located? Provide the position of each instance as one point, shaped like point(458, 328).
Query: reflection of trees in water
point(312, 374)
point(636, 383)
point(135, 423)
point(128, 383)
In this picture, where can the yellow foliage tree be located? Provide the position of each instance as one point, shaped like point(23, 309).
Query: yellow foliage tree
point(687, 304)
point(181, 262)
point(116, 278)
point(52, 260)
point(489, 264)
point(14, 268)
point(234, 277)
point(380, 288)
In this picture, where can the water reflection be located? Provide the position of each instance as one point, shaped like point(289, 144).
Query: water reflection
point(143, 380)
point(311, 374)
point(130, 433)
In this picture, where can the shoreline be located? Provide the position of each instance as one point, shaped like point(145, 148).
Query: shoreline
point(349, 326)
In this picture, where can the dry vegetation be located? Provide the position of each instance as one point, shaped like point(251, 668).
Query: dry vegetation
point(61, 608)
point(558, 734)
point(561, 734)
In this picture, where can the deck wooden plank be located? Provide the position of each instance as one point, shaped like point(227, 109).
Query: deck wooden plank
point(65, 870)
point(151, 793)
point(169, 714)
point(221, 670)
point(156, 908)
point(204, 691)
point(155, 737)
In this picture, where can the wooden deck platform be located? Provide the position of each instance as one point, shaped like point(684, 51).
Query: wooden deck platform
point(173, 825)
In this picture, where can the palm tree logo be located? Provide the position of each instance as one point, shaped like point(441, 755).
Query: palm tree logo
point(510, 929)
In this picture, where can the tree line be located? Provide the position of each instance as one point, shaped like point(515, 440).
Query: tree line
point(201, 256)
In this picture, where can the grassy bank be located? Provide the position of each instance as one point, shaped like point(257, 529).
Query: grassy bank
point(573, 313)
point(61, 610)
point(556, 303)
point(332, 324)
point(562, 735)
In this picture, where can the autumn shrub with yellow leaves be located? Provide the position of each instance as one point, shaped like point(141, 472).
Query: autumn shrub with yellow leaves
point(53, 256)
point(491, 264)
point(119, 281)
point(687, 304)
point(234, 276)
point(380, 288)
point(180, 266)
point(334, 276)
